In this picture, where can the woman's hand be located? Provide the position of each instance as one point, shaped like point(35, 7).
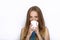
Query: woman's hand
point(36, 30)
point(29, 32)
point(37, 33)
point(31, 29)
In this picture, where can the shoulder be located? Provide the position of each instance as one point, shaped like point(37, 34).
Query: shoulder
point(22, 30)
point(21, 35)
point(46, 30)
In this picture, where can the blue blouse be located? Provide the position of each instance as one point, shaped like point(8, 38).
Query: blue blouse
point(33, 36)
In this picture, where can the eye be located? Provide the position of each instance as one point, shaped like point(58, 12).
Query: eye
point(36, 16)
point(30, 16)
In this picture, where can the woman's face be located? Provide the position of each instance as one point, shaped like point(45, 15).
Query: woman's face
point(33, 15)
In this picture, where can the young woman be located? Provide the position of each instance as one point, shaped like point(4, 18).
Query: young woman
point(40, 32)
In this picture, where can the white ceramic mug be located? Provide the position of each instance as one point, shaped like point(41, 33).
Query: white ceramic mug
point(34, 23)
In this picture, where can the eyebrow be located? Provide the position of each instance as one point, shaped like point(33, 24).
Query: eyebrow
point(35, 16)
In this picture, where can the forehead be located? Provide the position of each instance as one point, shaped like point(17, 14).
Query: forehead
point(33, 13)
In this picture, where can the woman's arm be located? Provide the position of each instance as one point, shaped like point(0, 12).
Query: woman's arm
point(22, 34)
point(39, 36)
point(27, 38)
point(47, 37)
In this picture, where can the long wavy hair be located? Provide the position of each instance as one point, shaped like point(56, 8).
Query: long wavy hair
point(41, 22)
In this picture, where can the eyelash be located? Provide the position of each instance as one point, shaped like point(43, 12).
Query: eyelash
point(35, 16)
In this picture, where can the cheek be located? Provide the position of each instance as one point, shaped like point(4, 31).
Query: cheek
point(36, 18)
point(30, 19)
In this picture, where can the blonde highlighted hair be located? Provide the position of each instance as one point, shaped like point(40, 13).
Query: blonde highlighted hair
point(41, 24)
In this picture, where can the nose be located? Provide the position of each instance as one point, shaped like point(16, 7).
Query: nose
point(33, 18)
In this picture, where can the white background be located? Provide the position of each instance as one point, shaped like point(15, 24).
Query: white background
point(13, 16)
